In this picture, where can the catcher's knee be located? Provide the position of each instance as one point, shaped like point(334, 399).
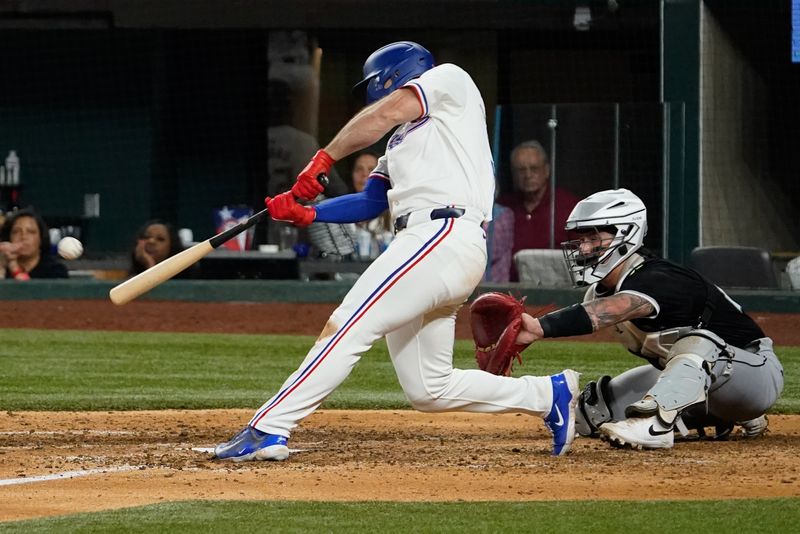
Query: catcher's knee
point(685, 380)
point(705, 345)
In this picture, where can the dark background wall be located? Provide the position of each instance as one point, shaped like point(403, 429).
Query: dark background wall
point(159, 123)
point(82, 122)
point(160, 106)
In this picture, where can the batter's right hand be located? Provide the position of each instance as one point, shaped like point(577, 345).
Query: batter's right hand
point(307, 185)
point(285, 208)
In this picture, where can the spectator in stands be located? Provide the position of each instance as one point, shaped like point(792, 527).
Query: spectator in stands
point(25, 248)
point(363, 165)
point(156, 241)
point(288, 151)
point(499, 244)
point(530, 201)
point(289, 147)
point(379, 228)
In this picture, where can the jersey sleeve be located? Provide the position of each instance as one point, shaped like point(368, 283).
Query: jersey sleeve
point(671, 290)
point(443, 88)
point(381, 170)
point(356, 207)
point(646, 284)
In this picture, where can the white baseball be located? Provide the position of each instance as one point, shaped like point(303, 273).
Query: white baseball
point(70, 248)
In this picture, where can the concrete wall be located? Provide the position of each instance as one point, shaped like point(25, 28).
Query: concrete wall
point(326, 292)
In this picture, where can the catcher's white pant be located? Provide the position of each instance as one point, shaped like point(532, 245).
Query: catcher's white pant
point(410, 294)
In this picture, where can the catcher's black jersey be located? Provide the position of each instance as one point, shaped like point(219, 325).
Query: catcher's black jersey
point(681, 296)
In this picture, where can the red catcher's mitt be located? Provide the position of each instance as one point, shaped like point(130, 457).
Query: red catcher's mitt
point(496, 320)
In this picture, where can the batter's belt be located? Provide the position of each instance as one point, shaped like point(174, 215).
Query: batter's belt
point(416, 217)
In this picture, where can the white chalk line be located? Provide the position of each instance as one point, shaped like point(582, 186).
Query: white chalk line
point(67, 474)
point(101, 470)
point(104, 470)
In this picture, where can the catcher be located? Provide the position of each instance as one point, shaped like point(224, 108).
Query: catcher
point(709, 363)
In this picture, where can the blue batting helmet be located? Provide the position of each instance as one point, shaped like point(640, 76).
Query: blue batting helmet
point(391, 66)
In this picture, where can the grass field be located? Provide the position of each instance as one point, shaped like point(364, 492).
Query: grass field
point(71, 370)
point(768, 515)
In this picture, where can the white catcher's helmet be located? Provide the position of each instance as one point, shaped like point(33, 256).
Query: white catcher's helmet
point(617, 211)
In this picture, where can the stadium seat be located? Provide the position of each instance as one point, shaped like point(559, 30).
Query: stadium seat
point(542, 267)
point(735, 267)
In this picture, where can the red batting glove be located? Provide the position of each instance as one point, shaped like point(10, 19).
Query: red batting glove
point(285, 208)
point(307, 185)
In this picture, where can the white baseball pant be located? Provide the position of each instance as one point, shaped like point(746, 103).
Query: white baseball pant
point(410, 294)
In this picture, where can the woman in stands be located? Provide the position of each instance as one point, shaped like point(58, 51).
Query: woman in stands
point(156, 241)
point(25, 248)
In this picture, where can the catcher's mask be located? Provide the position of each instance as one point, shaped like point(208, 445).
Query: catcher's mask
point(391, 66)
point(604, 230)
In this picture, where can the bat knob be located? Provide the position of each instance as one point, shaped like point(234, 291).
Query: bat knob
point(322, 178)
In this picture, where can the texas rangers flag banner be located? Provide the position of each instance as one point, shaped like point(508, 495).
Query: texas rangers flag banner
point(228, 217)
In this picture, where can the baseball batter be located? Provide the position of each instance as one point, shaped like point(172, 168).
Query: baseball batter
point(710, 363)
point(437, 180)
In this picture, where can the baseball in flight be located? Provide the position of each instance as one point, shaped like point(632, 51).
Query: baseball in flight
point(70, 248)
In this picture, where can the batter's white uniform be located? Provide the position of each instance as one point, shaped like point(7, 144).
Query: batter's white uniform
point(410, 294)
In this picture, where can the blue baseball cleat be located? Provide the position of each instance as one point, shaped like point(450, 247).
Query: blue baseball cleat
point(561, 419)
point(252, 444)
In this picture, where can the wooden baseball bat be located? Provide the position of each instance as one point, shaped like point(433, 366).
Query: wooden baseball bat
point(161, 272)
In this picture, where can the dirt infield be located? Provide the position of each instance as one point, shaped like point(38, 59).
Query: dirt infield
point(54, 463)
point(360, 456)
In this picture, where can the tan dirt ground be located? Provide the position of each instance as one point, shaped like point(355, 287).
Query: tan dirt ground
point(148, 457)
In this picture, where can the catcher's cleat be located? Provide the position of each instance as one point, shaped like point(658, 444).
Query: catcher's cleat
point(253, 444)
point(638, 433)
point(561, 419)
point(754, 427)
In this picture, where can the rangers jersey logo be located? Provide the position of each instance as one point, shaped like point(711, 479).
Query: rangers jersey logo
point(401, 133)
point(396, 139)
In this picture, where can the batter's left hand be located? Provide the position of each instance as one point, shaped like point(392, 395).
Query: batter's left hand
point(285, 208)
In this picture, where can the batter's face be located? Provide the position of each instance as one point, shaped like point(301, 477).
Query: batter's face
point(530, 170)
point(364, 165)
point(25, 234)
point(156, 242)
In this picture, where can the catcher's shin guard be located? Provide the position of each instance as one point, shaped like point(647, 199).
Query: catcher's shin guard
point(594, 407)
point(686, 378)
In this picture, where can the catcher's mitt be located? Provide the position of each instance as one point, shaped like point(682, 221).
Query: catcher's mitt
point(496, 320)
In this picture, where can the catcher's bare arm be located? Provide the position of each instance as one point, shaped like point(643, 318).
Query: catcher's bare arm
point(615, 309)
point(585, 318)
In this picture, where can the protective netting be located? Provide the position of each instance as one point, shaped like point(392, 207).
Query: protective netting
point(750, 120)
point(114, 127)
